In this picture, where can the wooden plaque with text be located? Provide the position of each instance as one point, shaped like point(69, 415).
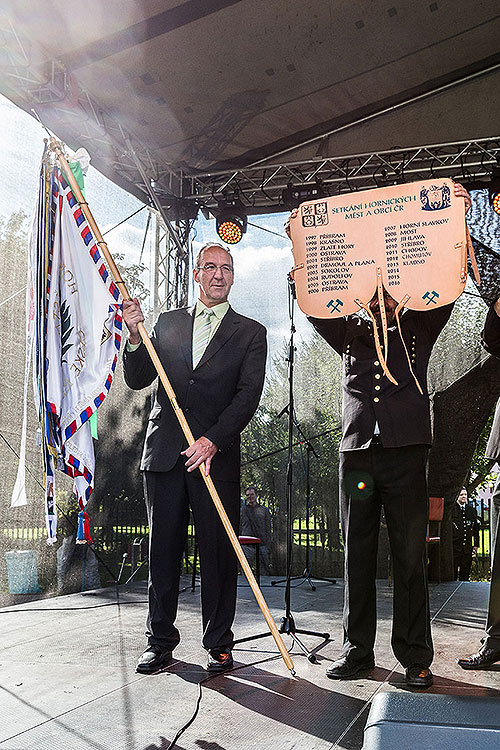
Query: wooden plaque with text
point(414, 233)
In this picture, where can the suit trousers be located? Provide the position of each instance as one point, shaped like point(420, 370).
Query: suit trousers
point(395, 479)
point(492, 639)
point(169, 495)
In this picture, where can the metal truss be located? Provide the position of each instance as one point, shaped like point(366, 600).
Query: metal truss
point(261, 187)
point(43, 86)
point(171, 270)
point(32, 80)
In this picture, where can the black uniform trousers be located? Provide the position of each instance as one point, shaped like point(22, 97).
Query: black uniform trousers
point(462, 562)
point(492, 639)
point(169, 495)
point(395, 479)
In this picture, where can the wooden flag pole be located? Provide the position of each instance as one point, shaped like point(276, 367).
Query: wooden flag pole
point(57, 148)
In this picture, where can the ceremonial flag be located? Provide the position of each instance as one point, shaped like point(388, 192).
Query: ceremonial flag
point(76, 340)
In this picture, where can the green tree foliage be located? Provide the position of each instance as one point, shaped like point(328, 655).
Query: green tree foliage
point(317, 401)
point(480, 473)
point(131, 275)
point(458, 348)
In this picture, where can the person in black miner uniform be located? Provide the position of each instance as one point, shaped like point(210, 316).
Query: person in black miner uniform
point(383, 463)
point(215, 360)
point(465, 535)
point(489, 653)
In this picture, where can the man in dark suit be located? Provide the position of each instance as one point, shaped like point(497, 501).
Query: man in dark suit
point(489, 653)
point(215, 360)
point(465, 536)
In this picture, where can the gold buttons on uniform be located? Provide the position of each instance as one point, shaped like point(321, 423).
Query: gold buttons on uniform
point(377, 376)
point(376, 363)
point(377, 387)
point(376, 399)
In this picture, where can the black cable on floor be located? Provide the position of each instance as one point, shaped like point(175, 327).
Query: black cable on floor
point(69, 609)
point(200, 694)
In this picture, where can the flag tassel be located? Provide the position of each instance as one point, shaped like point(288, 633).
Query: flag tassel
point(83, 532)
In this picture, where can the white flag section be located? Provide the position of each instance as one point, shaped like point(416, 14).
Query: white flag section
point(34, 325)
point(83, 339)
point(19, 497)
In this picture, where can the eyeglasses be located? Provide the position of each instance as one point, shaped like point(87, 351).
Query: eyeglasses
point(211, 268)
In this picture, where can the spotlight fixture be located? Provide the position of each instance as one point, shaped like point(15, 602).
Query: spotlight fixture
point(231, 221)
point(293, 195)
point(494, 189)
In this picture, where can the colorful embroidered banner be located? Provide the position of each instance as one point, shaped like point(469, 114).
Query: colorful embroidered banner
point(77, 338)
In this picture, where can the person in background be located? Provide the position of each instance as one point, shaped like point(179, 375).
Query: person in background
point(256, 521)
point(465, 527)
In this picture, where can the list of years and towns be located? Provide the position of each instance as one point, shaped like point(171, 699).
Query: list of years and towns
point(330, 260)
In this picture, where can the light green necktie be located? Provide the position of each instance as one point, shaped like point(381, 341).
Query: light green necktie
point(202, 336)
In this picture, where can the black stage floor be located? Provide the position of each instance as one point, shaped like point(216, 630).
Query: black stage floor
point(68, 680)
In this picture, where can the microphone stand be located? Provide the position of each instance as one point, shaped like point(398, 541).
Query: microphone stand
point(307, 574)
point(287, 622)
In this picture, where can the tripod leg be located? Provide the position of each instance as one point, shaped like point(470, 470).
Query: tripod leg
point(136, 571)
point(310, 656)
point(327, 580)
point(307, 577)
point(326, 636)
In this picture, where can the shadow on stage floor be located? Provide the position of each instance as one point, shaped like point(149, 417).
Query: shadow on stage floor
point(69, 682)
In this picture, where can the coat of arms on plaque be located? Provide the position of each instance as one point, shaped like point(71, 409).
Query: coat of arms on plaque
point(314, 215)
point(435, 198)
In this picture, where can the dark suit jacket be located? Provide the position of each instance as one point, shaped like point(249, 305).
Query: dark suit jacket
point(401, 411)
point(491, 342)
point(218, 398)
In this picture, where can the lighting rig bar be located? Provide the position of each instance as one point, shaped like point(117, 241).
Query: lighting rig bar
point(33, 81)
point(260, 188)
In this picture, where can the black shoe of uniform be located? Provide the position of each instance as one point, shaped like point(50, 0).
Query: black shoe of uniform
point(483, 659)
point(219, 659)
point(344, 668)
point(418, 677)
point(153, 659)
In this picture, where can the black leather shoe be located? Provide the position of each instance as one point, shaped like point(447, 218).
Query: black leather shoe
point(483, 659)
point(153, 659)
point(418, 677)
point(219, 659)
point(344, 668)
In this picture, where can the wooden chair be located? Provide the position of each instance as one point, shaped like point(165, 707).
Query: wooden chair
point(255, 542)
point(436, 512)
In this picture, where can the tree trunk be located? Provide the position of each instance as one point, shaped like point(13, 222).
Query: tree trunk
point(460, 414)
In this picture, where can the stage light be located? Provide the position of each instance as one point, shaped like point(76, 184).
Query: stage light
point(293, 195)
point(231, 222)
point(494, 189)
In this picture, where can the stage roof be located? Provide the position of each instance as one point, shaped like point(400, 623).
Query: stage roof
point(211, 85)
